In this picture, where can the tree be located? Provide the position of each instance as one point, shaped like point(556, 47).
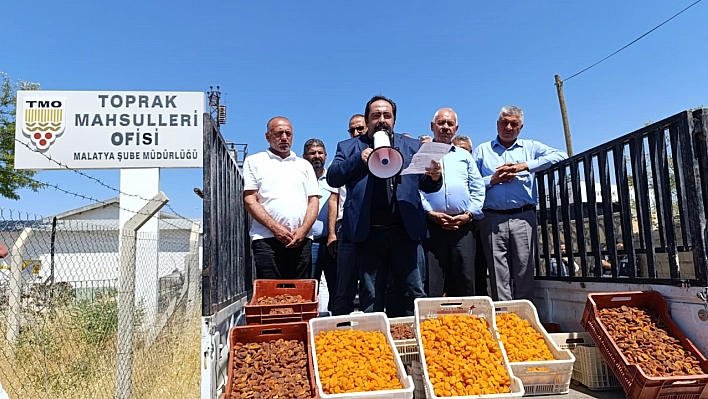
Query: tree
point(12, 180)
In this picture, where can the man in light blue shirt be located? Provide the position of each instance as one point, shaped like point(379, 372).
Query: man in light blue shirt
point(322, 260)
point(509, 228)
point(450, 250)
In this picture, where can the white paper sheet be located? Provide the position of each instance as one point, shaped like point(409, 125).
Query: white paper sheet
point(428, 152)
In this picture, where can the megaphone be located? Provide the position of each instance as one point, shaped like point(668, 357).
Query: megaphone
point(385, 161)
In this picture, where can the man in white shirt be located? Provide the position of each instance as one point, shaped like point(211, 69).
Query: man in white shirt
point(282, 196)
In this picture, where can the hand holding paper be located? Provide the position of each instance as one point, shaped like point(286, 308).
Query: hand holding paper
point(422, 159)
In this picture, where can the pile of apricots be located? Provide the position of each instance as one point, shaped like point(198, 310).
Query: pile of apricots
point(355, 361)
point(462, 356)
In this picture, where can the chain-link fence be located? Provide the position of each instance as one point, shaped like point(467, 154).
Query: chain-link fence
point(60, 300)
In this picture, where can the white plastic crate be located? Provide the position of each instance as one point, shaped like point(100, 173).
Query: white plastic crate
point(416, 371)
point(590, 368)
point(427, 308)
point(548, 377)
point(407, 348)
point(364, 322)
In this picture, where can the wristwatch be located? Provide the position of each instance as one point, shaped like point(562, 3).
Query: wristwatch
point(468, 213)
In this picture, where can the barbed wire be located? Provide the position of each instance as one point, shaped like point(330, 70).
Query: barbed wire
point(99, 181)
point(88, 198)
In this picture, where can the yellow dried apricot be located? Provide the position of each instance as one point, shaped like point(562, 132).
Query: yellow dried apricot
point(355, 361)
point(462, 356)
point(521, 342)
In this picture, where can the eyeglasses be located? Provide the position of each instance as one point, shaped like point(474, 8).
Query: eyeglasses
point(358, 129)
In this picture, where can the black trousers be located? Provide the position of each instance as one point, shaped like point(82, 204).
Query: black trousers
point(274, 261)
point(451, 257)
point(480, 263)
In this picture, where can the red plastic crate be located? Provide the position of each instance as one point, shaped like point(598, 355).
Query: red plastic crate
point(260, 314)
point(634, 381)
point(271, 332)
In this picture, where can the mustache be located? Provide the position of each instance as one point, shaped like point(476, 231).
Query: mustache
point(382, 126)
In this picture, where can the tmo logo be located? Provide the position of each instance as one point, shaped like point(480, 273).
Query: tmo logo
point(44, 119)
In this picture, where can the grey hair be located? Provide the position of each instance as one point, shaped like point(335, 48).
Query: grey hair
point(512, 110)
point(313, 143)
point(457, 121)
point(424, 137)
point(463, 138)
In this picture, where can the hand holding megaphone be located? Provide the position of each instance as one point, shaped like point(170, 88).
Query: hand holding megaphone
point(383, 161)
point(365, 154)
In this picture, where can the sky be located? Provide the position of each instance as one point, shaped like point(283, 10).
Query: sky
point(319, 62)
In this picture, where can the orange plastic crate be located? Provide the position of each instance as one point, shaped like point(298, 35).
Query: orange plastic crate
point(271, 332)
point(634, 381)
point(261, 314)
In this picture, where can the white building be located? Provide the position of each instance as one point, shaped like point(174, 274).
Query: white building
point(85, 246)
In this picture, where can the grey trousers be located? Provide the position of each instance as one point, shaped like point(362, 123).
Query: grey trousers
point(510, 243)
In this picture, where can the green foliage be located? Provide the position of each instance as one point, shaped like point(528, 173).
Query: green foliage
point(12, 180)
point(96, 322)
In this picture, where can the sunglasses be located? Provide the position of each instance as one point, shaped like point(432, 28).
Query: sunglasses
point(358, 129)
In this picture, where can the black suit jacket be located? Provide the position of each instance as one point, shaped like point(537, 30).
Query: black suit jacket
point(348, 169)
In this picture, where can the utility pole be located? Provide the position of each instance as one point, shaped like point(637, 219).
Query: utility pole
point(564, 115)
point(216, 109)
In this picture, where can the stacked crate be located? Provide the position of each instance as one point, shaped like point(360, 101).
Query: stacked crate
point(273, 324)
point(275, 313)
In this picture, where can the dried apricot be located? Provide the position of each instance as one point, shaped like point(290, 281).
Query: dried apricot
point(355, 361)
point(521, 342)
point(462, 356)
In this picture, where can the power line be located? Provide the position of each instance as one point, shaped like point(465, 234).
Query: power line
point(633, 41)
point(80, 173)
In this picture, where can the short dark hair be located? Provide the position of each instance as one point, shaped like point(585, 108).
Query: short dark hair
point(356, 116)
point(313, 143)
point(373, 100)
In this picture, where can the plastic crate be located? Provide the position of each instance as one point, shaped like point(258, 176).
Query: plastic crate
point(427, 308)
point(416, 371)
point(589, 368)
point(258, 334)
point(550, 377)
point(634, 381)
point(407, 348)
point(260, 314)
point(364, 322)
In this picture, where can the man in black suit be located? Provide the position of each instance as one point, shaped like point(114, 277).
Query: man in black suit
point(384, 218)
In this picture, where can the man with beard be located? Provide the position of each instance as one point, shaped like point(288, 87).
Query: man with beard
point(322, 260)
point(450, 250)
point(509, 228)
point(282, 196)
point(384, 217)
point(347, 272)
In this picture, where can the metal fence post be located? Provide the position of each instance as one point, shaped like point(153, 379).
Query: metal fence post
point(126, 295)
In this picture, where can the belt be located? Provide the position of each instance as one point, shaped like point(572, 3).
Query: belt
point(384, 226)
point(511, 211)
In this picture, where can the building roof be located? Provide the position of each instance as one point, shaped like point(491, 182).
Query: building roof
point(71, 220)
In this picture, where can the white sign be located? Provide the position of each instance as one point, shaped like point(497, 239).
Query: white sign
point(109, 129)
